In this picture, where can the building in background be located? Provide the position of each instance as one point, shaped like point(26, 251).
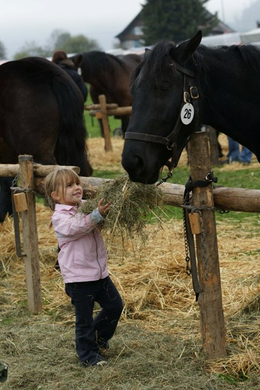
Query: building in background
point(132, 36)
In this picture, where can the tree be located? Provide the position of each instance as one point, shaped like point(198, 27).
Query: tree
point(59, 40)
point(78, 44)
point(62, 40)
point(2, 51)
point(175, 20)
point(30, 49)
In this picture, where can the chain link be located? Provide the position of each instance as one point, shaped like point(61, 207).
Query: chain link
point(15, 180)
point(186, 246)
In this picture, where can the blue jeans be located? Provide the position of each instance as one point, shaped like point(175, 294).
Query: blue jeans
point(94, 333)
point(234, 153)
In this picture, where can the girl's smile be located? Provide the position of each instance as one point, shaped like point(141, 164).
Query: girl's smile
point(72, 195)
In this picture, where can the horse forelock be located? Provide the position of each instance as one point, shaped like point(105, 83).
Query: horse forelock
point(156, 62)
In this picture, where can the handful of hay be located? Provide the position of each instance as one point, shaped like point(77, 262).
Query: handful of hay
point(130, 202)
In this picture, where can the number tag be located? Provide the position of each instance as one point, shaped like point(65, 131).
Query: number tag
point(187, 113)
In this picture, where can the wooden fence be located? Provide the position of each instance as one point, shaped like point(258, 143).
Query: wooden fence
point(102, 111)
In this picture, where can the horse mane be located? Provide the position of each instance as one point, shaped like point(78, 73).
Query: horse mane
point(95, 61)
point(157, 60)
point(248, 55)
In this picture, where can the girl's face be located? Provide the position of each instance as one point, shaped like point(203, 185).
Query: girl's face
point(71, 195)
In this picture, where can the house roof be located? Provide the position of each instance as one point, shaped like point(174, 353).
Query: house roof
point(221, 28)
point(135, 22)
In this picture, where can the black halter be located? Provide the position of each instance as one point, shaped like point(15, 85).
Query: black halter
point(190, 95)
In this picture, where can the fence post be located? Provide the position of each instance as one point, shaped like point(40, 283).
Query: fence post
point(30, 235)
point(210, 299)
point(104, 118)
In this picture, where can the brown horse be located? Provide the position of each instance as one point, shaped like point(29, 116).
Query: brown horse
point(41, 114)
point(108, 75)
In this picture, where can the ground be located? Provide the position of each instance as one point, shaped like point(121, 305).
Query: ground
point(158, 342)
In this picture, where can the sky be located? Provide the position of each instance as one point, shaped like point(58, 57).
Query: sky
point(26, 21)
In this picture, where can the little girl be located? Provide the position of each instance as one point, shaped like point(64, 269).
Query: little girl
point(83, 264)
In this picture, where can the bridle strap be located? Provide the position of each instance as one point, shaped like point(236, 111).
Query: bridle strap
point(157, 139)
point(170, 140)
point(182, 69)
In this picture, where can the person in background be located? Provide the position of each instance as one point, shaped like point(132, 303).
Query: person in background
point(60, 58)
point(83, 264)
point(244, 156)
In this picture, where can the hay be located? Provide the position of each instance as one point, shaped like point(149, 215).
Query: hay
point(160, 314)
point(131, 205)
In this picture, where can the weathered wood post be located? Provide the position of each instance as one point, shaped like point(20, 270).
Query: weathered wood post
point(214, 152)
point(30, 235)
point(210, 299)
point(104, 118)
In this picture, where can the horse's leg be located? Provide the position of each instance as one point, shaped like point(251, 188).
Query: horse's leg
point(5, 197)
point(220, 152)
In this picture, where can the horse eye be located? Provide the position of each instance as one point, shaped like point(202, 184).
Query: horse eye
point(165, 86)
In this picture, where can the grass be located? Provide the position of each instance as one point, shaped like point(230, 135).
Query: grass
point(92, 123)
point(93, 128)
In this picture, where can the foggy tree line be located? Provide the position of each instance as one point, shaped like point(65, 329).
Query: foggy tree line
point(174, 20)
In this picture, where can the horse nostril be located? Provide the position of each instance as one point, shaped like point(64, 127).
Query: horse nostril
point(139, 163)
point(133, 165)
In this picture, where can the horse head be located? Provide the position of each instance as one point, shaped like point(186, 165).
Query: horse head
point(164, 110)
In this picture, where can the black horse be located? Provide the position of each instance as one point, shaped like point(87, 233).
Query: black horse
point(176, 89)
point(41, 114)
point(108, 75)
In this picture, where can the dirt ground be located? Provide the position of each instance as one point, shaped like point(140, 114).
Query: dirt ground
point(158, 341)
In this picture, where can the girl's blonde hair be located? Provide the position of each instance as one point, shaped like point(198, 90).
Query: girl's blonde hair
point(58, 180)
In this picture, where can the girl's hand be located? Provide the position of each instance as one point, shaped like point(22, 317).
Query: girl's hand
point(103, 209)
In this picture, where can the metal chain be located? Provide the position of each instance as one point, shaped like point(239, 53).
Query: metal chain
point(17, 189)
point(193, 208)
point(20, 189)
point(15, 180)
point(202, 235)
point(186, 246)
point(164, 179)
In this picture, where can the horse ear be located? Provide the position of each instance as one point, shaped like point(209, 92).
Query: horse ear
point(187, 48)
point(78, 61)
point(146, 51)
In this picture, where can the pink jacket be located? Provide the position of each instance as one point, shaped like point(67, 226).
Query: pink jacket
point(82, 256)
